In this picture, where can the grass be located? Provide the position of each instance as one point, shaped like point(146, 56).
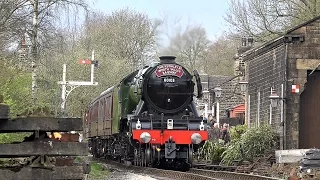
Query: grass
point(78, 159)
point(97, 171)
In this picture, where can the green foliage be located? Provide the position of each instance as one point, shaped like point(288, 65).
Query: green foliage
point(15, 87)
point(232, 153)
point(120, 40)
point(211, 151)
point(253, 143)
point(78, 159)
point(97, 170)
point(12, 137)
point(237, 131)
point(17, 93)
point(39, 110)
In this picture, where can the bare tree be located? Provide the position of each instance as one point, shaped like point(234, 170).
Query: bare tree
point(33, 18)
point(42, 9)
point(35, 14)
point(11, 23)
point(125, 34)
point(220, 58)
point(190, 47)
point(120, 39)
point(266, 19)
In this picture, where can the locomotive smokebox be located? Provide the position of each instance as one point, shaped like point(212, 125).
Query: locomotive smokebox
point(167, 59)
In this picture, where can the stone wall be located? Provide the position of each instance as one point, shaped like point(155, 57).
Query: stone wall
point(230, 92)
point(286, 61)
point(264, 71)
point(230, 95)
point(302, 56)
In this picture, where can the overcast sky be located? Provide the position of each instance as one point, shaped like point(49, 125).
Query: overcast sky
point(207, 13)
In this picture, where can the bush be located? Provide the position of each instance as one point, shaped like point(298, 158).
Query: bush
point(211, 151)
point(253, 143)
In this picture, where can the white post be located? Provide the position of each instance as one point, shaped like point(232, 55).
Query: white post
point(64, 88)
point(270, 108)
point(212, 110)
point(73, 84)
point(270, 114)
point(281, 118)
point(249, 121)
point(92, 66)
point(218, 114)
point(206, 110)
point(258, 107)
point(281, 115)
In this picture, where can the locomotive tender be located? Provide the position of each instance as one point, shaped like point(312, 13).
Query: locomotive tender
point(149, 118)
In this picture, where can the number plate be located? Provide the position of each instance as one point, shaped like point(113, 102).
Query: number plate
point(169, 80)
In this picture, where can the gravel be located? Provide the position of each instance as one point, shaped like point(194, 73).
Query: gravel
point(129, 176)
point(117, 173)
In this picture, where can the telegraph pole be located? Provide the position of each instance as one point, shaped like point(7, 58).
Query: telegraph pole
point(68, 86)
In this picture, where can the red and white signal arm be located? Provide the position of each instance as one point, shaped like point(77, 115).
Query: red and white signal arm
point(84, 61)
point(295, 88)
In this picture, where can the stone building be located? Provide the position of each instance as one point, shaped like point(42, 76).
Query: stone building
point(288, 67)
point(230, 96)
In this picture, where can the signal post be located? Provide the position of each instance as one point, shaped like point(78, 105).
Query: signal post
point(68, 86)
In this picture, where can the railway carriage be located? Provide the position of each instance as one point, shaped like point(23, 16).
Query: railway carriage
point(149, 118)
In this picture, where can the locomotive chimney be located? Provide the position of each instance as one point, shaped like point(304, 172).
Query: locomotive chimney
point(167, 59)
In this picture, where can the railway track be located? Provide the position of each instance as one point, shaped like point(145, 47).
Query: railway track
point(229, 175)
point(192, 174)
point(154, 172)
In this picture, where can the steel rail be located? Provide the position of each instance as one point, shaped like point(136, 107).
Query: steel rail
point(155, 172)
point(229, 175)
point(193, 173)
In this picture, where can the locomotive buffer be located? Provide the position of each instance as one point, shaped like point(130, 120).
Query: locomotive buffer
point(42, 156)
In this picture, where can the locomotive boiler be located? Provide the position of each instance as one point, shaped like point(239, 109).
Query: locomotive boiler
point(149, 118)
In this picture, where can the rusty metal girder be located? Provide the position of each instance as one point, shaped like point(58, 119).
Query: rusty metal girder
point(48, 124)
point(48, 148)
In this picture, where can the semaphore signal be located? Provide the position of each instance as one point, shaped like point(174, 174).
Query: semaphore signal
point(75, 84)
point(86, 61)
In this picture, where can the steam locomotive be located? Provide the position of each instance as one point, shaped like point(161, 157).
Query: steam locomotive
point(149, 118)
